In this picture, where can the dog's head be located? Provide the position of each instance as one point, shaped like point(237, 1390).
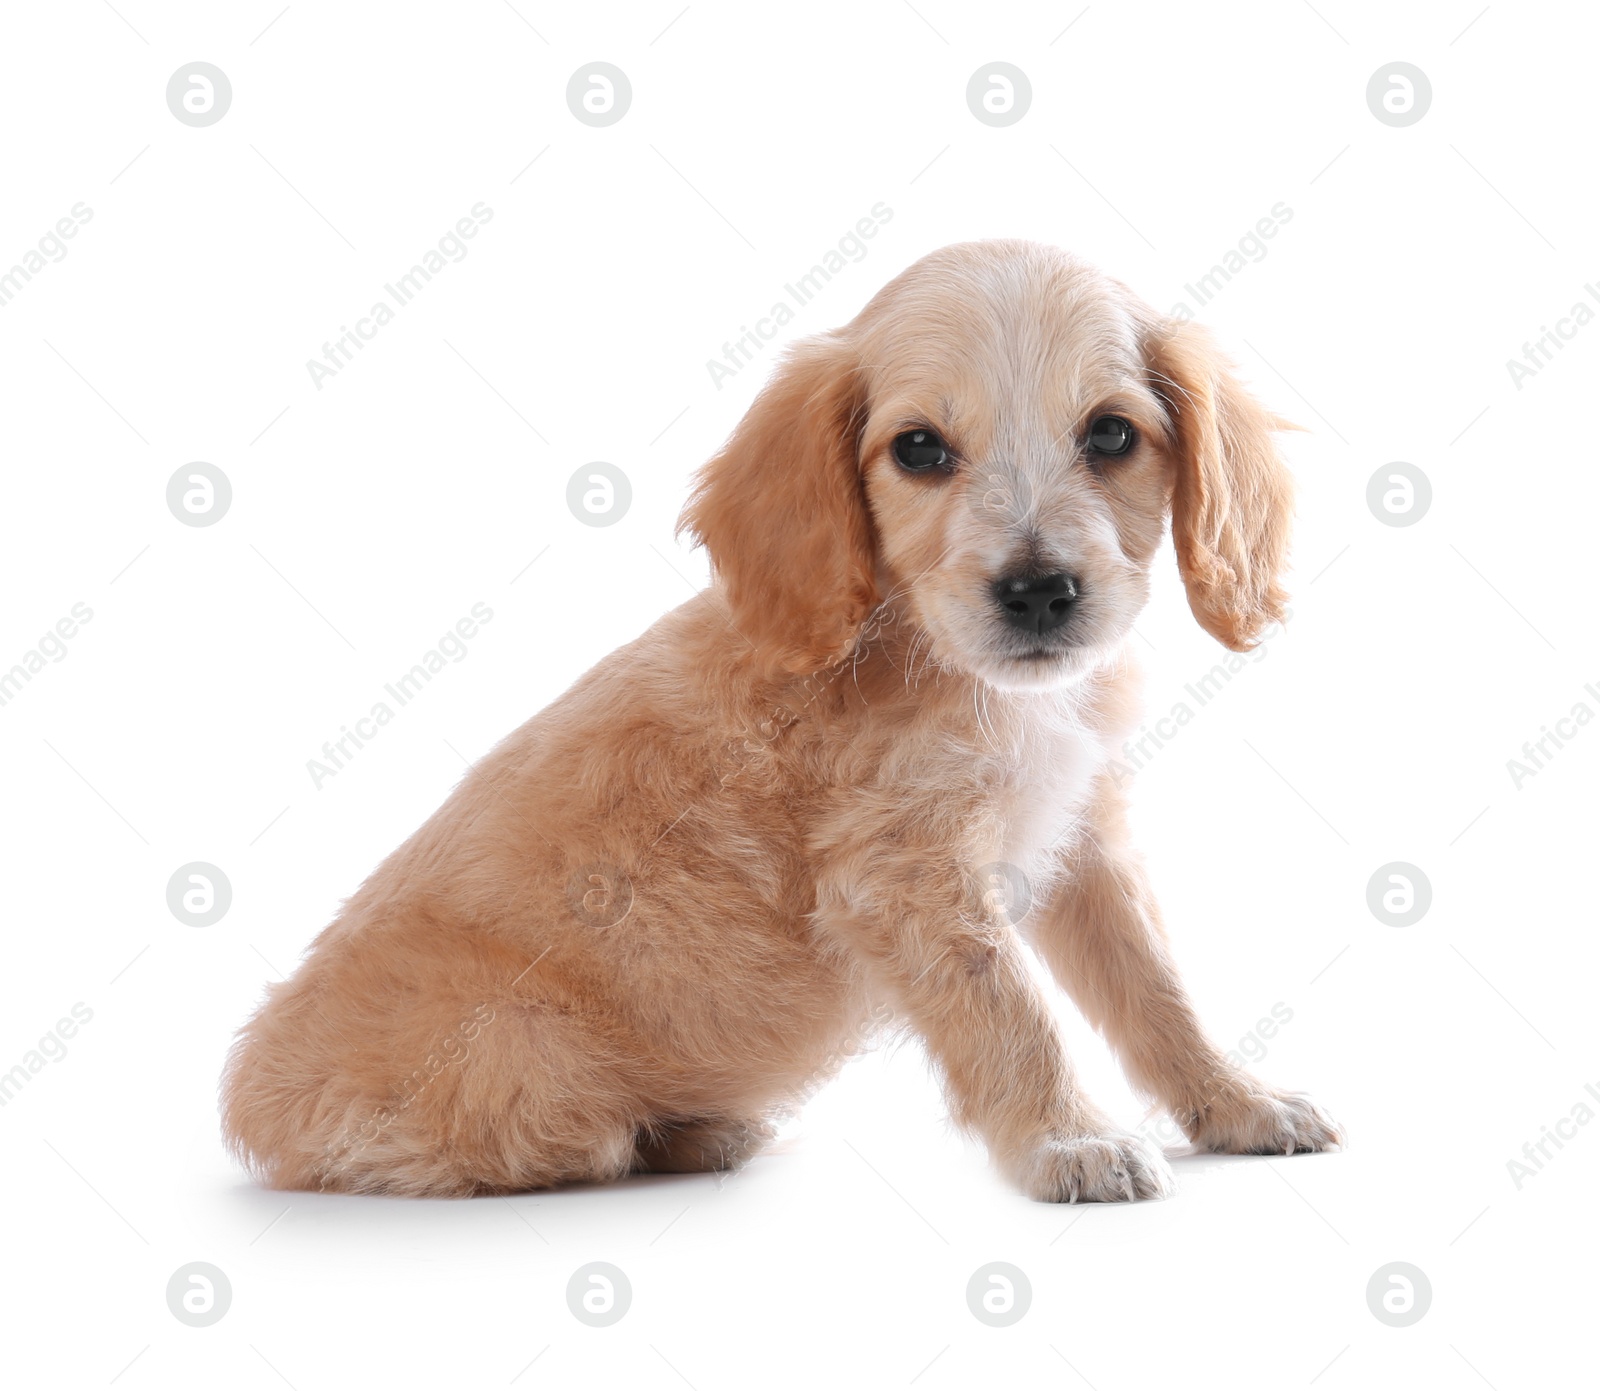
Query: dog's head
point(993, 446)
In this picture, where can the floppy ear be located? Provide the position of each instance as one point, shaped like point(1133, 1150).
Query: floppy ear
point(783, 513)
point(1233, 498)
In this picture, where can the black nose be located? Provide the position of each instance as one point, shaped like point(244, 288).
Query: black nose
point(1037, 603)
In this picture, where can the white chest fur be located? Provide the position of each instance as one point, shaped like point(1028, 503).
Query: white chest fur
point(1039, 757)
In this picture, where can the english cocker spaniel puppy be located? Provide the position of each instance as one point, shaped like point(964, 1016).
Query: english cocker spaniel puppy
point(858, 776)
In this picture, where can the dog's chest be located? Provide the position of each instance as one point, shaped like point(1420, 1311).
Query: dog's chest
point(1038, 771)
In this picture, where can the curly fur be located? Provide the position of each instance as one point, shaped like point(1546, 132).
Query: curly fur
point(670, 905)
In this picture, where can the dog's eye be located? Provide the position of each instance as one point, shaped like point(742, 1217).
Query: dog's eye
point(1110, 434)
point(920, 450)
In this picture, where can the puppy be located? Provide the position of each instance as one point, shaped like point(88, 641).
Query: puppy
point(667, 907)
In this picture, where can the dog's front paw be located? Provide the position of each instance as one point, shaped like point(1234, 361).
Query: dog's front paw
point(1114, 1167)
point(1259, 1120)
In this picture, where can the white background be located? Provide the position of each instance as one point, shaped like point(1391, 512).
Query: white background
point(430, 474)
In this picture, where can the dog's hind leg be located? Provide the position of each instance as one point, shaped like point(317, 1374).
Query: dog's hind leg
point(459, 1097)
point(699, 1145)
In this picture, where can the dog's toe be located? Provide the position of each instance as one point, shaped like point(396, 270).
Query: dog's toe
point(1264, 1121)
point(1108, 1168)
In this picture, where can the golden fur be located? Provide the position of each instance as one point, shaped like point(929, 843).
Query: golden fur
point(669, 905)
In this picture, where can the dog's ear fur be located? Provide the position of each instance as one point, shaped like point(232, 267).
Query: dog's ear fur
point(783, 513)
point(1233, 498)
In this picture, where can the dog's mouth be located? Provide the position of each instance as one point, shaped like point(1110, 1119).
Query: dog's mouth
point(1038, 665)
point(1073, 638)
point(1008, 657)
point(1062, 656)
